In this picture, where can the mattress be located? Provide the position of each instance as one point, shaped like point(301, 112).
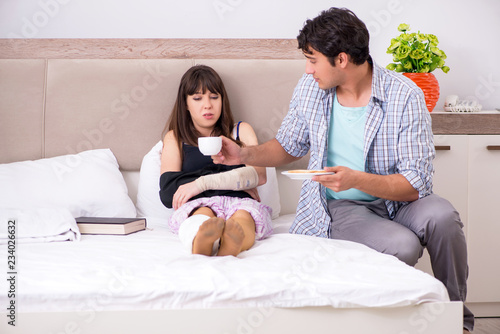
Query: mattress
point(150, 270)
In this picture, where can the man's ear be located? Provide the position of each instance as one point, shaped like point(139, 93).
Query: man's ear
point(343, 59)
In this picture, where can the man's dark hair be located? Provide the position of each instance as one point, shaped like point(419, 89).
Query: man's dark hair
point(334, 31)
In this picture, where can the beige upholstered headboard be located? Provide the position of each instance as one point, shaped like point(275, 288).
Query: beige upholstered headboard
point(66, 96)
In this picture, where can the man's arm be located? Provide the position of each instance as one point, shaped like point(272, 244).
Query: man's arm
point(269, 154)
point(393, 187)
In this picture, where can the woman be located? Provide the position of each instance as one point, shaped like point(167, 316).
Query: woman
point(210, 203)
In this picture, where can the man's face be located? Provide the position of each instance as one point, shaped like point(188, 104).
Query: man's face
point(326, 75)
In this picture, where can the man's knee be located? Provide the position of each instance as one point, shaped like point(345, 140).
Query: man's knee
point(407, 249)
point(442, 217)
point(431, 215)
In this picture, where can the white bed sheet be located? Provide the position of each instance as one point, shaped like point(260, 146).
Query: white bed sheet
point(150, 270)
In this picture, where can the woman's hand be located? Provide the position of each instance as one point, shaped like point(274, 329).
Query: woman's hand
point(254, 193)
point(184, 193)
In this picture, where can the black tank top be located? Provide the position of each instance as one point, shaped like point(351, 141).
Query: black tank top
point(193, 159)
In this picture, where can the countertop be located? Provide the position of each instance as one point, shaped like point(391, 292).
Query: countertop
point(466, 123)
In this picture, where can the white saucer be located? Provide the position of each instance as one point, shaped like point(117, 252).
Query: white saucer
point(297, 175)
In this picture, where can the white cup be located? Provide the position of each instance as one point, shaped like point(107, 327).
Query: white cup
point(451, 101)
point(210, 145)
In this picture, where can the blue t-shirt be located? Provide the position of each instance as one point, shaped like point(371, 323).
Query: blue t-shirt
point(346, 144)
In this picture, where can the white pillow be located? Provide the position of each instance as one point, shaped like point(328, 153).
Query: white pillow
point(148, 198)
point(87, 184)
point(269, 192)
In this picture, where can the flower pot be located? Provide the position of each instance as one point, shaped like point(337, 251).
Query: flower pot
point(429, 85)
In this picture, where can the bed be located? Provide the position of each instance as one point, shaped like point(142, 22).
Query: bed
point(80, 136)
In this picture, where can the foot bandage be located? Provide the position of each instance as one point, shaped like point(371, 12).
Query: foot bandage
point(236, 179)
point(189, 229)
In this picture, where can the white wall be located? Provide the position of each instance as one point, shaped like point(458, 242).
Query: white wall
point(468, 30)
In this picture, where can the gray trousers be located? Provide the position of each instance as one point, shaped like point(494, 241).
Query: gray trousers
point(430, 222)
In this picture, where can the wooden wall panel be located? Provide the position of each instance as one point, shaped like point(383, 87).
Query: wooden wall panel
point(149, 48)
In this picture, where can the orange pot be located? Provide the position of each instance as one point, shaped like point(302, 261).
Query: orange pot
point(429, 85)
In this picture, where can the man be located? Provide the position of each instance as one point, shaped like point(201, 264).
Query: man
point(371, 128)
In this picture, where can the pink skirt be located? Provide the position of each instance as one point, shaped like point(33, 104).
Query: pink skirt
point(224, 207)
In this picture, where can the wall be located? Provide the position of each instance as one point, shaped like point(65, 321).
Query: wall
point(467, 30)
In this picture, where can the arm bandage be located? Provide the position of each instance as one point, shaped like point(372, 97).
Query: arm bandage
point(236, 179)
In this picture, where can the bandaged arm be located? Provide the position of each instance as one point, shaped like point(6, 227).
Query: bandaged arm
point(236, 179)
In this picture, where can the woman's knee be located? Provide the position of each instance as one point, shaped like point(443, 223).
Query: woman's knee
point(246, 221)
point(204, 210)
point(242, 214)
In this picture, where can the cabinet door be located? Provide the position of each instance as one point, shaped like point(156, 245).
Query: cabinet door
point(450, 179)
point(484, 219)
point(451, 172)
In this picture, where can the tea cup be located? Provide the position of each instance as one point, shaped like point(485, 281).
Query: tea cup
point(210, 145)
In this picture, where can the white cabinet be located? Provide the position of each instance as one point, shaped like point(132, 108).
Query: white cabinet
point(467, 173)
point(484, 218)
point(451, 172)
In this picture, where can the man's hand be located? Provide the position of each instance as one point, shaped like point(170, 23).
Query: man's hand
point(230, 153)
point(184, 194)
point(394, 187)
point(343, 179)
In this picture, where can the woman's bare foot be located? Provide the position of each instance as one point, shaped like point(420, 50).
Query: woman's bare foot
point(232, 239)
point(208, 233)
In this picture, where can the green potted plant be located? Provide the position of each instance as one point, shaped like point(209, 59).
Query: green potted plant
point(416, 55)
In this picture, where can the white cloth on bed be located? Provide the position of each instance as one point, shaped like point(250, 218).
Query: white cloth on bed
point(38, 225)
point(150, 270)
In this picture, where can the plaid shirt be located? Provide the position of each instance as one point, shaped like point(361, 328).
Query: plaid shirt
point(398, 140)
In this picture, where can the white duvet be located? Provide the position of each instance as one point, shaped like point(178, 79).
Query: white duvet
point(150, 270)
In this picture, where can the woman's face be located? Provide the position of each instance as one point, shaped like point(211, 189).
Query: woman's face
point(205, 110)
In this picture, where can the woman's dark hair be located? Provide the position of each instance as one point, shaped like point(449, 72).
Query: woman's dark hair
point(198, 78)
point(334, 31)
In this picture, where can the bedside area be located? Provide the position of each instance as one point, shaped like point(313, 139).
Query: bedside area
point(467, 172)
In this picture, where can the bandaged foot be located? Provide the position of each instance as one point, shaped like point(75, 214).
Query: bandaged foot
point(189, 229)
point(208, 233)
point(232, 239)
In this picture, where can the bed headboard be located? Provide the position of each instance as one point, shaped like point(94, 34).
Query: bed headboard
point(65, 96)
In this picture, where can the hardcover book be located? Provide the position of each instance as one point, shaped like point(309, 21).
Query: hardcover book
point(108, 225)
